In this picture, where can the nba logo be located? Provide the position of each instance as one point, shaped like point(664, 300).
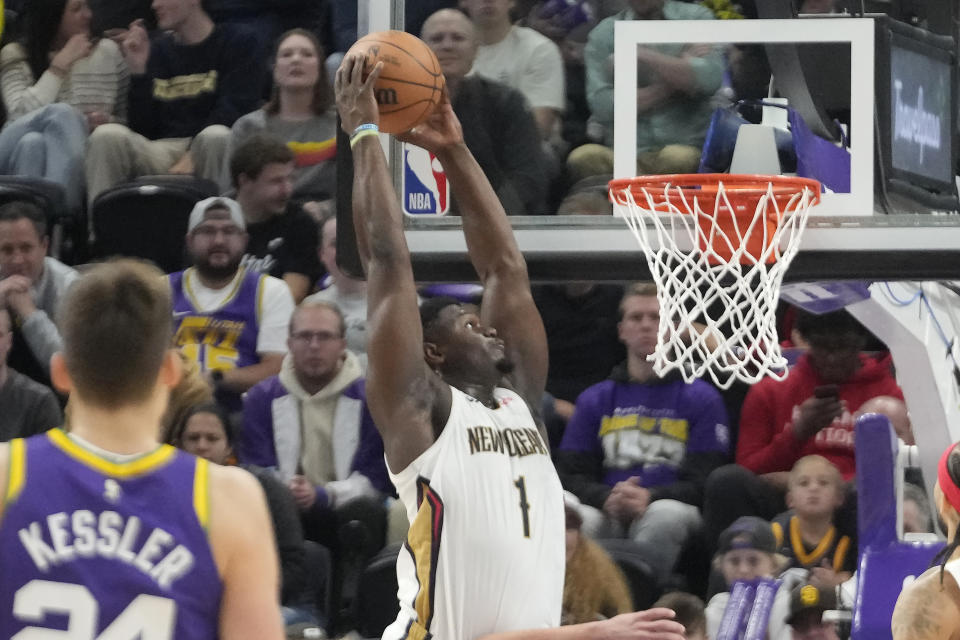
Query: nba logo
point(425, 188)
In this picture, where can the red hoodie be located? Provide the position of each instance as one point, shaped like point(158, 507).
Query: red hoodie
point(766, 442)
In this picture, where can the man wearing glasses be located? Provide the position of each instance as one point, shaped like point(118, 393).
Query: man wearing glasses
point(311, 426)
point(232, 322)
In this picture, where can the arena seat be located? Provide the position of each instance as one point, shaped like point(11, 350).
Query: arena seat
point(376, 605)
point(643, 584)
point(147, 218)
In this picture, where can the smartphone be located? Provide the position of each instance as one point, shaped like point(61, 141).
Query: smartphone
point(827, 391)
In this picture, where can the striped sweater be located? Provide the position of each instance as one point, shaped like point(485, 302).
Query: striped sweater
point(98, 82)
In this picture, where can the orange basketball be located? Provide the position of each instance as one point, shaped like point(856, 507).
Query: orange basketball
point(410, 83)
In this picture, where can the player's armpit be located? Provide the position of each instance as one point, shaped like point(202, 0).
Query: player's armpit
point(241, 537)
point(925, 611)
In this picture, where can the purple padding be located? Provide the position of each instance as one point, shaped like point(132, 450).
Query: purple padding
point(462, 292)
point(819, 158)
point(824, 297)
point(760, 612)
point(736, 611)
point(876, 446)
point(884, 562)
point(880, 578)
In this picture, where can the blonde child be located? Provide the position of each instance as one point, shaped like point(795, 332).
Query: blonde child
point(806, 534)
point(747, 551)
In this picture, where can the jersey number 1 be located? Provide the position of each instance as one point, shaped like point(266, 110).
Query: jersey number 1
point(521, 485)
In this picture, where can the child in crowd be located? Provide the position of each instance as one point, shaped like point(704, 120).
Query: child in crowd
point(916, 510)
point(806, 534)
point(747, 550)
point(690, 613)
point(594, 587)
point(807, 605)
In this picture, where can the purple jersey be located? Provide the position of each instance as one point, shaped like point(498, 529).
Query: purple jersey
point(223, 338)
point(91, 548)
point(646, 430)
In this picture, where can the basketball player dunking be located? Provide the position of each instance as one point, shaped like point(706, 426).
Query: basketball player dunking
point(452, 397)
point(106, 534)
point(929, 607)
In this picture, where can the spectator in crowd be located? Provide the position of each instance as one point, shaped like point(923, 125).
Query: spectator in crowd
point(807, 604)
point(189, 85)
point(675, 86)
point(268, 19)
point(207, 433)
point(896, 411)
point(229, 320)
point(638, 448)
point(580, 318)
point(916, 510)
point(349, 294)
point(689, 610)
point(594, 587)
point(300, 113)
point(58, 84)
point(31, 285)
point(785, 420)
point(192, 391)
point(520, 58)
point(498, 127)
point(311, 426)
point(568, 24)
point(283, 238)
point(747, 551)
point(28, 407)
point(806, 534)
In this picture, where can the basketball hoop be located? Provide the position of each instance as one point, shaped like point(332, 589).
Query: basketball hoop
point(718, 246)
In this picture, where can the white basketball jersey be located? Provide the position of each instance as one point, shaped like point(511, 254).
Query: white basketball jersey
point(485, 549)
point(953, 568)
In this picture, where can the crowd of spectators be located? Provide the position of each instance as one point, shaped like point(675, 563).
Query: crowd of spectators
point(273, 334)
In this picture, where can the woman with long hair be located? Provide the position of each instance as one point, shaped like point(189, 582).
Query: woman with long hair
point(929, 607)
point(300, 112)
point(58, 84)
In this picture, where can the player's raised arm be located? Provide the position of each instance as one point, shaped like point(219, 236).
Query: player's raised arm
point(507, 303)
point(404, 396)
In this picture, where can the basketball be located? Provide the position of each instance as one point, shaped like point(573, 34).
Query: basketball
point(410, 84)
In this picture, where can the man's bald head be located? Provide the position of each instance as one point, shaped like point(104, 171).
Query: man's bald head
point(895, 410)
point(453, 37)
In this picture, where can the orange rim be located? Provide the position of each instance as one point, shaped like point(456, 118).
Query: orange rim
point(740, 189)
point(743, 192)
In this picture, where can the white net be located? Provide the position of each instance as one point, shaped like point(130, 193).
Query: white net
point(718, 271)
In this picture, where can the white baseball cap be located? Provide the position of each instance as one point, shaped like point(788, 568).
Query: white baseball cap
point(198, 215)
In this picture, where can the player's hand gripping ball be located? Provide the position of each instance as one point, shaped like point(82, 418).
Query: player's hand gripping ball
point(411, 83)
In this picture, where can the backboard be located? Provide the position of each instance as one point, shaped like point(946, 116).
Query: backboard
point(849, 236)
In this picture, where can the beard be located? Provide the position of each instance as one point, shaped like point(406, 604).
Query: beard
point(216, 272)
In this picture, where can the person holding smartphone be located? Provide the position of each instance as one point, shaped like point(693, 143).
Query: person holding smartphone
point(810, 412)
